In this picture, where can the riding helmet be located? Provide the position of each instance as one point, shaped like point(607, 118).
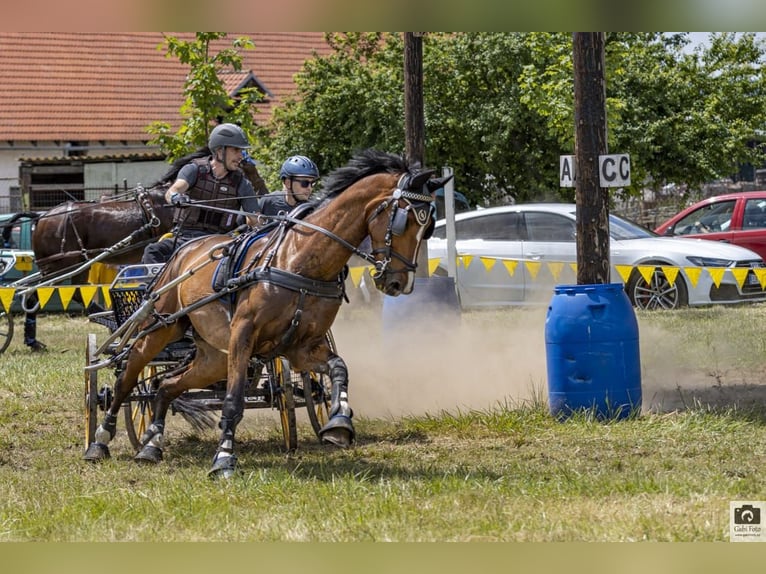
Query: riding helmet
point(229, 135)
point(298, 166)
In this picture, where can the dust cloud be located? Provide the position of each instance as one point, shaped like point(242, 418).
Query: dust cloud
point(478, 360)
point(439, 361)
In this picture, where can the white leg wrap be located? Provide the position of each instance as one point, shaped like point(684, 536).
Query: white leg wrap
point(102, 435)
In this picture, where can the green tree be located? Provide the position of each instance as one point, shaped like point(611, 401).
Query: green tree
point(499, 107)
point(206, 101)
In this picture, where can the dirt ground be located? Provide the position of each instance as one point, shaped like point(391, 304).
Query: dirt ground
point(414, 366)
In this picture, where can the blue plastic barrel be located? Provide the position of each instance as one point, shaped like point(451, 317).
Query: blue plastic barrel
point(592, 352)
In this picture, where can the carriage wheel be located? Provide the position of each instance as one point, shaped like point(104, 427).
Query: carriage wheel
point(316, 391)
point(91, 390)
point(6, 330)
point(139, 408)
point(279, 372)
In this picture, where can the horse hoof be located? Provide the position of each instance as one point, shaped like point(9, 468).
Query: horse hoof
point(337, 437)
point(96, 451)
point(223, 467)
point(339, 431)
point(150, 454)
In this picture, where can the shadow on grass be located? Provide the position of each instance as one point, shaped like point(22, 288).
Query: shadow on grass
point(742, 400)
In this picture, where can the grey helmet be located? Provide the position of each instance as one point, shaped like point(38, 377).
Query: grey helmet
point(229, 135)
point(298, 166)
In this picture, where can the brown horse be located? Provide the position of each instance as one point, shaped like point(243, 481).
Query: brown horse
point(78, 231)
point(281, 300)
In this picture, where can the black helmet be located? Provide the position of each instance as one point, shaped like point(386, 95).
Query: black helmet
point(228, 135)
point(297, 166)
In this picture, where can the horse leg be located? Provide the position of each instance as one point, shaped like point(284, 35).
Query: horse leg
point(208, 366)
point(224, 460)
point(141, 353)
point(339, 430)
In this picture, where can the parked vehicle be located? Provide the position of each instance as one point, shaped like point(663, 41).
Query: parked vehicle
point(738, 218)
point(504, 251)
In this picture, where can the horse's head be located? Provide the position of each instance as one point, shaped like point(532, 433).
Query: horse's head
point(396, 229)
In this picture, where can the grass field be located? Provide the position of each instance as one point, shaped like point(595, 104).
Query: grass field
point(454, 443)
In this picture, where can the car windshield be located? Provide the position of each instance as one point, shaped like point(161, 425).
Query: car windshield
point(620, 228)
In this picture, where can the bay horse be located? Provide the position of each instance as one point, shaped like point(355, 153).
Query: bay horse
point(281, 300)
point(75, 232)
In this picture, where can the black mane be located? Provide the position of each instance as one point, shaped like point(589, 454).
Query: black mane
point(362, 164)
point(170, 176)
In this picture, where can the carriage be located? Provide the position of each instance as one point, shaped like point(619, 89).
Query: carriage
point(273, 384)
point(198, 334)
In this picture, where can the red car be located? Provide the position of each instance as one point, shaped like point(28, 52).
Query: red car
point(738, 218)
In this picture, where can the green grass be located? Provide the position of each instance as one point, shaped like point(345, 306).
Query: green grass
point(504, 470)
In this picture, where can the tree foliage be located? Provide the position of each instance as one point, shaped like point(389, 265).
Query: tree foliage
point(499, 107)
point(206, 101)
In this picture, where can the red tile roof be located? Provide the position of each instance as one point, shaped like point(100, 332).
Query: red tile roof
point(86, 86)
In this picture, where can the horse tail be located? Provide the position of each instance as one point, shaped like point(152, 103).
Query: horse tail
point(198, 416)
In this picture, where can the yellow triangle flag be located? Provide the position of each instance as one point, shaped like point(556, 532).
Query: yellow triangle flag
point(555, 268)
point(740, 274)
point(6, 297)
point(574, 267)
point(761, 274)
point(533, 267)
point(670, 273)
point(510, 266)
point(624, 271)
point(433, 265)
point(466, 260)
point(107, 297)
point(66, 294)
point(693, 273)
point(44, 295)
point(489, 262)
point(87, 292)
point(717, 274)
point(356, 275)
point(646, 271)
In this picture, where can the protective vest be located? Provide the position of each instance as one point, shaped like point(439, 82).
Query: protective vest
point(216, 193)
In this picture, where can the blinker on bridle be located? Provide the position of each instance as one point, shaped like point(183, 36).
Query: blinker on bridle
point(419, 204)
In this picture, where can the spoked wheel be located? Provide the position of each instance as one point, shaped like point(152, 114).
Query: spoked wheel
point(6, 330)
point(657, 293)
point(139, 407)
point(316, 392)
point(91, 390)
point(282, 389)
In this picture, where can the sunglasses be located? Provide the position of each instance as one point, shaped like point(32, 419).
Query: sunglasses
point(306, 182)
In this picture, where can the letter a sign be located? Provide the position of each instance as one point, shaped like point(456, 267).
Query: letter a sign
point(567, 171)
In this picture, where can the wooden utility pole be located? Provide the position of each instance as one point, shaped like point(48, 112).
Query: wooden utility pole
point(590, 142)
point(414, 121)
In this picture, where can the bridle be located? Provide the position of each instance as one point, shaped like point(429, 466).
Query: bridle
point(420, 205)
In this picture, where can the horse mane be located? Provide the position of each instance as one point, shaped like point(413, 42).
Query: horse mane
point(363, 164)
point(170, 175)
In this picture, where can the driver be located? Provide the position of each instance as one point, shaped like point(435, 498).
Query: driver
point(216, 180)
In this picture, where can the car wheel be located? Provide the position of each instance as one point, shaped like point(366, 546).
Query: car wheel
point(659, 293)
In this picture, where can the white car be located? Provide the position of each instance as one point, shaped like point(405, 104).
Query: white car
point(514, 254)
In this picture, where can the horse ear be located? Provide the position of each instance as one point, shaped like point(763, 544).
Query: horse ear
point(437, 182)
point(420, 178)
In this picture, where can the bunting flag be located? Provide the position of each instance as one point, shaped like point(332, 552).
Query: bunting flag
point(556, 268)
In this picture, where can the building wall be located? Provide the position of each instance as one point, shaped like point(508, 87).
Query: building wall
point(95, 174)
point(124, 174)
